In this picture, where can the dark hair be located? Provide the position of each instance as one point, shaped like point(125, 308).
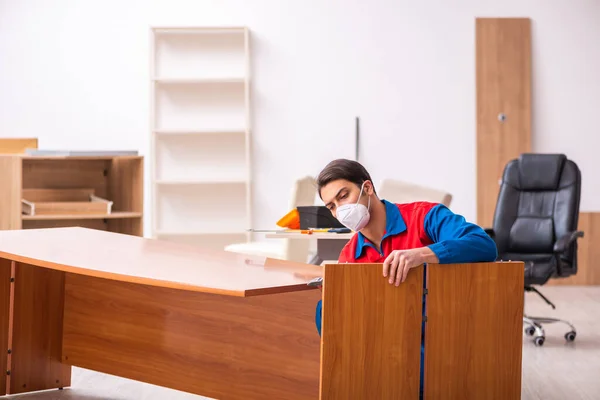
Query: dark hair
point(342, 168)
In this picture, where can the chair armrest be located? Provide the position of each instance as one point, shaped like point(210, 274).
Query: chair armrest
point(490, 232)
point(563, 243)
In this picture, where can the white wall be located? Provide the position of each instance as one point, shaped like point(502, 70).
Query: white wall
point(75, 74)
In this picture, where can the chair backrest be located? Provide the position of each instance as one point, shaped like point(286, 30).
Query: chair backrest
point(303, 194)
point(404, 192)
point(538, 203)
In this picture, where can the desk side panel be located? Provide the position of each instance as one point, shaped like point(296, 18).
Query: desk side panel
point(10, 191)
point(474, 331)
point(5, 275)
point(371, 344)
point(263, 347)
point(37, 330)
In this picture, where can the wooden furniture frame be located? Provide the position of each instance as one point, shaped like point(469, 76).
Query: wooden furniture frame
point(118, 179)
point(226, 325)
point(200, 135)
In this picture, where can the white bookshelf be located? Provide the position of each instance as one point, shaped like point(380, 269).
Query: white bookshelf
point(200, 135)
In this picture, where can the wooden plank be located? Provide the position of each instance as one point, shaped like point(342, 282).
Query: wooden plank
point(74, 158)
point(503, 69)
point(40, 223)
point(10, 192)
point(5, 275)
point(474, 331)
point(126, 190)
point(82, 209)
point(371, 332)
point(50, 195)
point(37, 331)
point(263, 347)
point(588, 254)
point(17, 145)
point(63, 219)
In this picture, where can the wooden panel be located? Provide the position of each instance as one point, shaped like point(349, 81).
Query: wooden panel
point(153, 262)
point(503, 68)
point(371, 334)
point(128, 226)
point(49, 195)
point(5, 275)
point(17, 145)
point(37, 331)
point(126, 190)
point(62, 223)
point(588, 254)
point(474, 331)
point(112, 215)
point(263, 347)
point(10, 192)
point(67, 173)
point(94, 206)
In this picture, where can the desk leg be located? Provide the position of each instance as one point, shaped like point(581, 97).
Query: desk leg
point(35, 329)
point(5, 284)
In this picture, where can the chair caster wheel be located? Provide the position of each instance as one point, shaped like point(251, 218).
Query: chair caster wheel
point(570, 336)
point(530, 331)
point(539, 341)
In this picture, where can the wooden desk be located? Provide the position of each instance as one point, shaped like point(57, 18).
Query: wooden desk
point(213, 323)
point(329, 245)
point(230, 326)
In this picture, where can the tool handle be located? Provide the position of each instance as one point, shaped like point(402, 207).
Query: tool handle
point(340, 230)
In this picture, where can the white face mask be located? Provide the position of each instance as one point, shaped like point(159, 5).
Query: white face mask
point(354, 216)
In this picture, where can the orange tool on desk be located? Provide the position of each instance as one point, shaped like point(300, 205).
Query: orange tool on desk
point(291, 220)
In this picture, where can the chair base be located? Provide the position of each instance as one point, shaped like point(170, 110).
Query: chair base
point(534, 324)
point(533, 327)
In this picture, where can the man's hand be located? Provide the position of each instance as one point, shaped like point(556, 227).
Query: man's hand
point(399, 262)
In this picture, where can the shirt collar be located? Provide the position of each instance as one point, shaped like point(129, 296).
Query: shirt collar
point(394, 224)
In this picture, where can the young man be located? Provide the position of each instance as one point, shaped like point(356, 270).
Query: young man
point(401, 236)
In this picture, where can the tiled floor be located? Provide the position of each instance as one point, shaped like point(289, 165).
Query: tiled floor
point(561, 370)
point(558, 370)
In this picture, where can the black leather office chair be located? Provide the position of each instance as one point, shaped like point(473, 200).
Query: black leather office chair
point(535, 221)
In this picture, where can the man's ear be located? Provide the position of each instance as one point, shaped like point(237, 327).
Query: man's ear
point(369, 190)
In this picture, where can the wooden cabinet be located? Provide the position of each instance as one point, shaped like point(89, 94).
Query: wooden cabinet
point(116, 179)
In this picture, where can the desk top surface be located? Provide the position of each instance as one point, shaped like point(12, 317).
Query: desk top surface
point(154, 262)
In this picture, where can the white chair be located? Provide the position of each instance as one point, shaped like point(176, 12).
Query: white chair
point(404, 192)
point(303, 194)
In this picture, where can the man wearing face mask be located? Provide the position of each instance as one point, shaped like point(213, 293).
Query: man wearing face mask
point(401, 236)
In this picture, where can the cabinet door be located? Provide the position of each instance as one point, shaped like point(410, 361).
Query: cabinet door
point(503, 69)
